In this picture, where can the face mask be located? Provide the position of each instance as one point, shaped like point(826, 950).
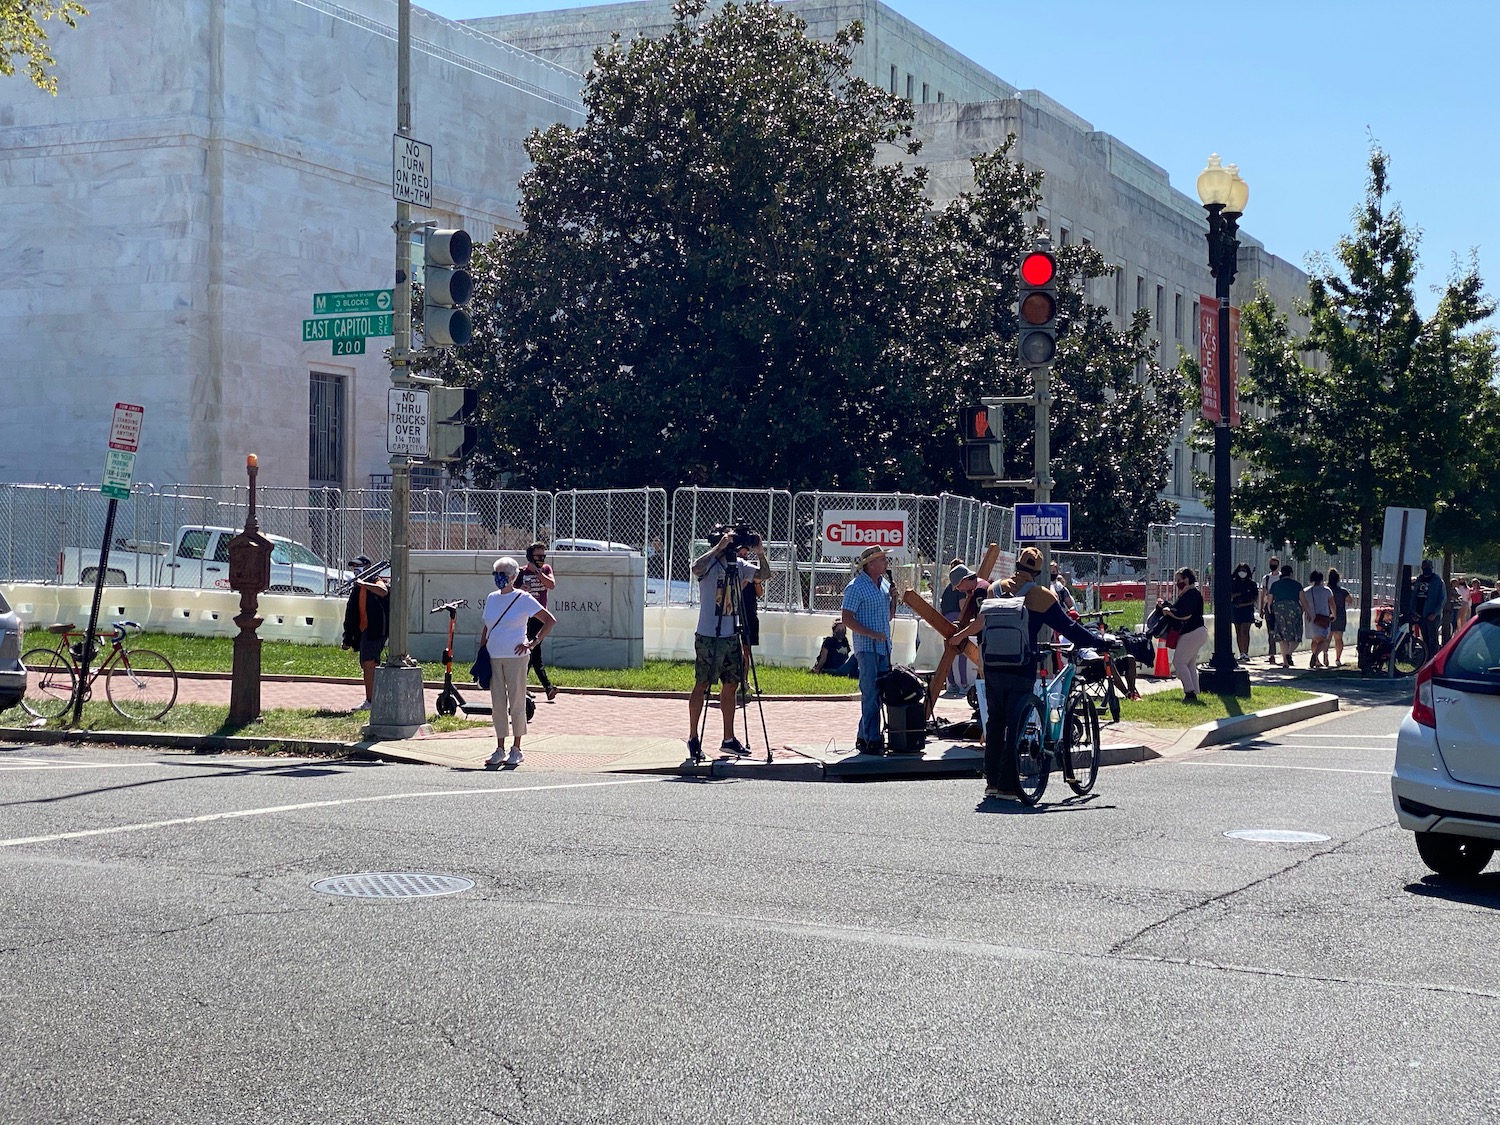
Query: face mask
point(501, 581)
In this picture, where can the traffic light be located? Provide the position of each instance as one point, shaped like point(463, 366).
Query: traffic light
point(1036, 343)
point(451, 433)
point(983, 457)
point(446, 288)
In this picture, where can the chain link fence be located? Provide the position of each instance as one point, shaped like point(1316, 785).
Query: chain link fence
point(1171, 547)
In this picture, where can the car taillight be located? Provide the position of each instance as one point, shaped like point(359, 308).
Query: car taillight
point(1421, 705)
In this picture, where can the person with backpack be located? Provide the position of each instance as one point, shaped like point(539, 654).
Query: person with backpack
point(367, 624)
point(1009, 625)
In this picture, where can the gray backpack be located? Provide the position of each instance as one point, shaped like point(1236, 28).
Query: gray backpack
point(1006, 637)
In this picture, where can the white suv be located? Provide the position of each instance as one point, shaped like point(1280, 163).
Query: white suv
point(1446, 783)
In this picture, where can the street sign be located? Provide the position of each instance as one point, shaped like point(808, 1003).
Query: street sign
point(352, 301)
point(355, 346)
point(1405, 531)
point(411, 171)
point(346, 327)
point(406, 422)
point(125, 427)
point(1043, 523)
point(119, 473)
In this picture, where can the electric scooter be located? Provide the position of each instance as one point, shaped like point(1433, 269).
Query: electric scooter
point(449, 700)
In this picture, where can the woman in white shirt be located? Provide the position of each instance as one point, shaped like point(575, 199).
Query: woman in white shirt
point(506, 612)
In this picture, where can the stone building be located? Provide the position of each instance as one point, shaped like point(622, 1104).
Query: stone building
point(1097, 189)
point(206, 169)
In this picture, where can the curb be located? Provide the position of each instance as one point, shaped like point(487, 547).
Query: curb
point(171, 740)
point(1222, 731)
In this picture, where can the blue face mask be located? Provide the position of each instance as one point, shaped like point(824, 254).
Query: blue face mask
point(501, 581)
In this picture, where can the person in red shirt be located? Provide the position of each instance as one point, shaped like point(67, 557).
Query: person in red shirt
point(536, 579)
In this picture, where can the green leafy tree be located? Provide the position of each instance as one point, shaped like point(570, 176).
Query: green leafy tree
point(1382, 420)
point(718, 282)
point(22, 35)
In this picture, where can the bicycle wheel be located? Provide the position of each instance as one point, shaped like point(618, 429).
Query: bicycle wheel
point(1411, 654)
point(142, 684)
point(1081, 744)
point(50, 681)
point(1029, 746)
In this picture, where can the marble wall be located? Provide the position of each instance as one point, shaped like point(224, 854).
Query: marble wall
point(205, 169)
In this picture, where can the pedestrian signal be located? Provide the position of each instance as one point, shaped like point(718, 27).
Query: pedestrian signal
point(982, 450)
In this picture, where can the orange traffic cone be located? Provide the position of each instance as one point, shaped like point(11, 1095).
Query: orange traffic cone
point(1163, 667)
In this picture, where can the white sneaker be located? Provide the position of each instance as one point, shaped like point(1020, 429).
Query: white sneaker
point(515, 757)
point(364, 706)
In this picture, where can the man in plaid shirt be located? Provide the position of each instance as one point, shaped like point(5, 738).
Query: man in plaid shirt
point(868, 603)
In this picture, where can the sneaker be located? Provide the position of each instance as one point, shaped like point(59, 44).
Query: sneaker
point(515, 757)
point(365, 706)
point(695, 750)
point(494, 761)
point(1190, 697)
point(1135, 695)
point(954, 693)
point(551, 693)
point(734, 747)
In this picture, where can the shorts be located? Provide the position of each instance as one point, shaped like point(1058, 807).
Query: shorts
point(371, 645)
point(716, 659)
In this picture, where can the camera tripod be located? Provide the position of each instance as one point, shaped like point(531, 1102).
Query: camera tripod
point(733, 596)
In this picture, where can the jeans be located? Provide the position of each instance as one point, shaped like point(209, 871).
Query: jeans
point(871, 664)
point(1185, 658)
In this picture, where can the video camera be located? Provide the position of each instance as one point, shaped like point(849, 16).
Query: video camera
point(743, 536)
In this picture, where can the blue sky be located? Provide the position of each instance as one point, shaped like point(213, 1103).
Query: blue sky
point(1293, 98)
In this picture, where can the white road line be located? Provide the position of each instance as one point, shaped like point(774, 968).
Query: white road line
point(1274, 766)
point(315, 805)
point(1300, 746)
point(1323, 736)
point(54, 764)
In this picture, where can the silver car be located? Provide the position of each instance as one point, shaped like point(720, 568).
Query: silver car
point(1446, 783)
point(12, 674)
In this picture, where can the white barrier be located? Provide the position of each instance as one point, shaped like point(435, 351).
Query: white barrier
point(791, 639)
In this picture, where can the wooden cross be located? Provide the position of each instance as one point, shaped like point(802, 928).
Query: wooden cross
point(945, 629)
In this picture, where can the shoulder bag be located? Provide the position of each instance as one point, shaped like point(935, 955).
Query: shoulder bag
point(480, 669)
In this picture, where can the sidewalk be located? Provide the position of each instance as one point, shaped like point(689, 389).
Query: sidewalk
point(587, 730)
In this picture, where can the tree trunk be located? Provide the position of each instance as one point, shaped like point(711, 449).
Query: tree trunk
point(1366, 569)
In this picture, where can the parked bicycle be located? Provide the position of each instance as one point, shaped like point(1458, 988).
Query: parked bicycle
point(1057, 729)
point(140, 683)
point(1099, 674)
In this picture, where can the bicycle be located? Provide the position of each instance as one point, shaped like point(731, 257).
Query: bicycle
point(1098, 676)
point(1409, 651)
point(140, 683)
point(1057, 727)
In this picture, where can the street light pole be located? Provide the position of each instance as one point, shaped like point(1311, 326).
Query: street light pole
point(1224, 196)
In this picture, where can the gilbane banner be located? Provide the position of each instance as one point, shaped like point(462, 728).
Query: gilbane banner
point(847, 533)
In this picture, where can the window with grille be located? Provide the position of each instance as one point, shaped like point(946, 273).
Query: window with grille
point(326, 425)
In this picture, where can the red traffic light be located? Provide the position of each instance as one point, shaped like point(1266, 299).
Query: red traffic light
point(1038, 268)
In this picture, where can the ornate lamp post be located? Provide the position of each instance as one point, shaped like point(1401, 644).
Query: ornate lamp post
point(1224, 196)
point(250, 575)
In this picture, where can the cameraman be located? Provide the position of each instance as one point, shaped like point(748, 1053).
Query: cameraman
point(716, 647)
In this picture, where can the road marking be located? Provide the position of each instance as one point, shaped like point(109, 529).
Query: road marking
point(50, 764)
point(268, 810)
point(1273, 766)
point(1322, 736)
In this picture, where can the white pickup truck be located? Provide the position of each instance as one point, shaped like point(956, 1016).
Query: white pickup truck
point(197, 559)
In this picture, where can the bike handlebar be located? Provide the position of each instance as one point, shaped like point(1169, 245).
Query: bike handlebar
point(450, 607)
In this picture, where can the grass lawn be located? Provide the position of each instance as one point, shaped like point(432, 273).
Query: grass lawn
point(1167, 709)
point(216, 654)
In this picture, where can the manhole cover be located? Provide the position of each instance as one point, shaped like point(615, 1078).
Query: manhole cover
point(392, 884)
point(1276, 836)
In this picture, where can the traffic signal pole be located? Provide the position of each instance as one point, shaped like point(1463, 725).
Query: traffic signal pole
point(398, 709)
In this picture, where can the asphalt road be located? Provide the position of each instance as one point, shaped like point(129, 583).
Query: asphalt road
point(661, 950)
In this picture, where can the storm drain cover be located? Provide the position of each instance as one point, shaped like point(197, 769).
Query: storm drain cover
point(392, 884)
point(1275, 836)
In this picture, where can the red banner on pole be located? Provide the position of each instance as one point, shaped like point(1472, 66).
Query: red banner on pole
point(1234, 366)
point(1208, 356)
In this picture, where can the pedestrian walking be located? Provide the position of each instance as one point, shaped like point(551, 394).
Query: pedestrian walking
point(1186, 612)
point(367, 624)
point(1317, 617)
point(1341, 599)
point(869, 601)
point(508, 643)
point(1286, 607)
point(1267, 607)
point(1244, 600)
point(537, 579)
